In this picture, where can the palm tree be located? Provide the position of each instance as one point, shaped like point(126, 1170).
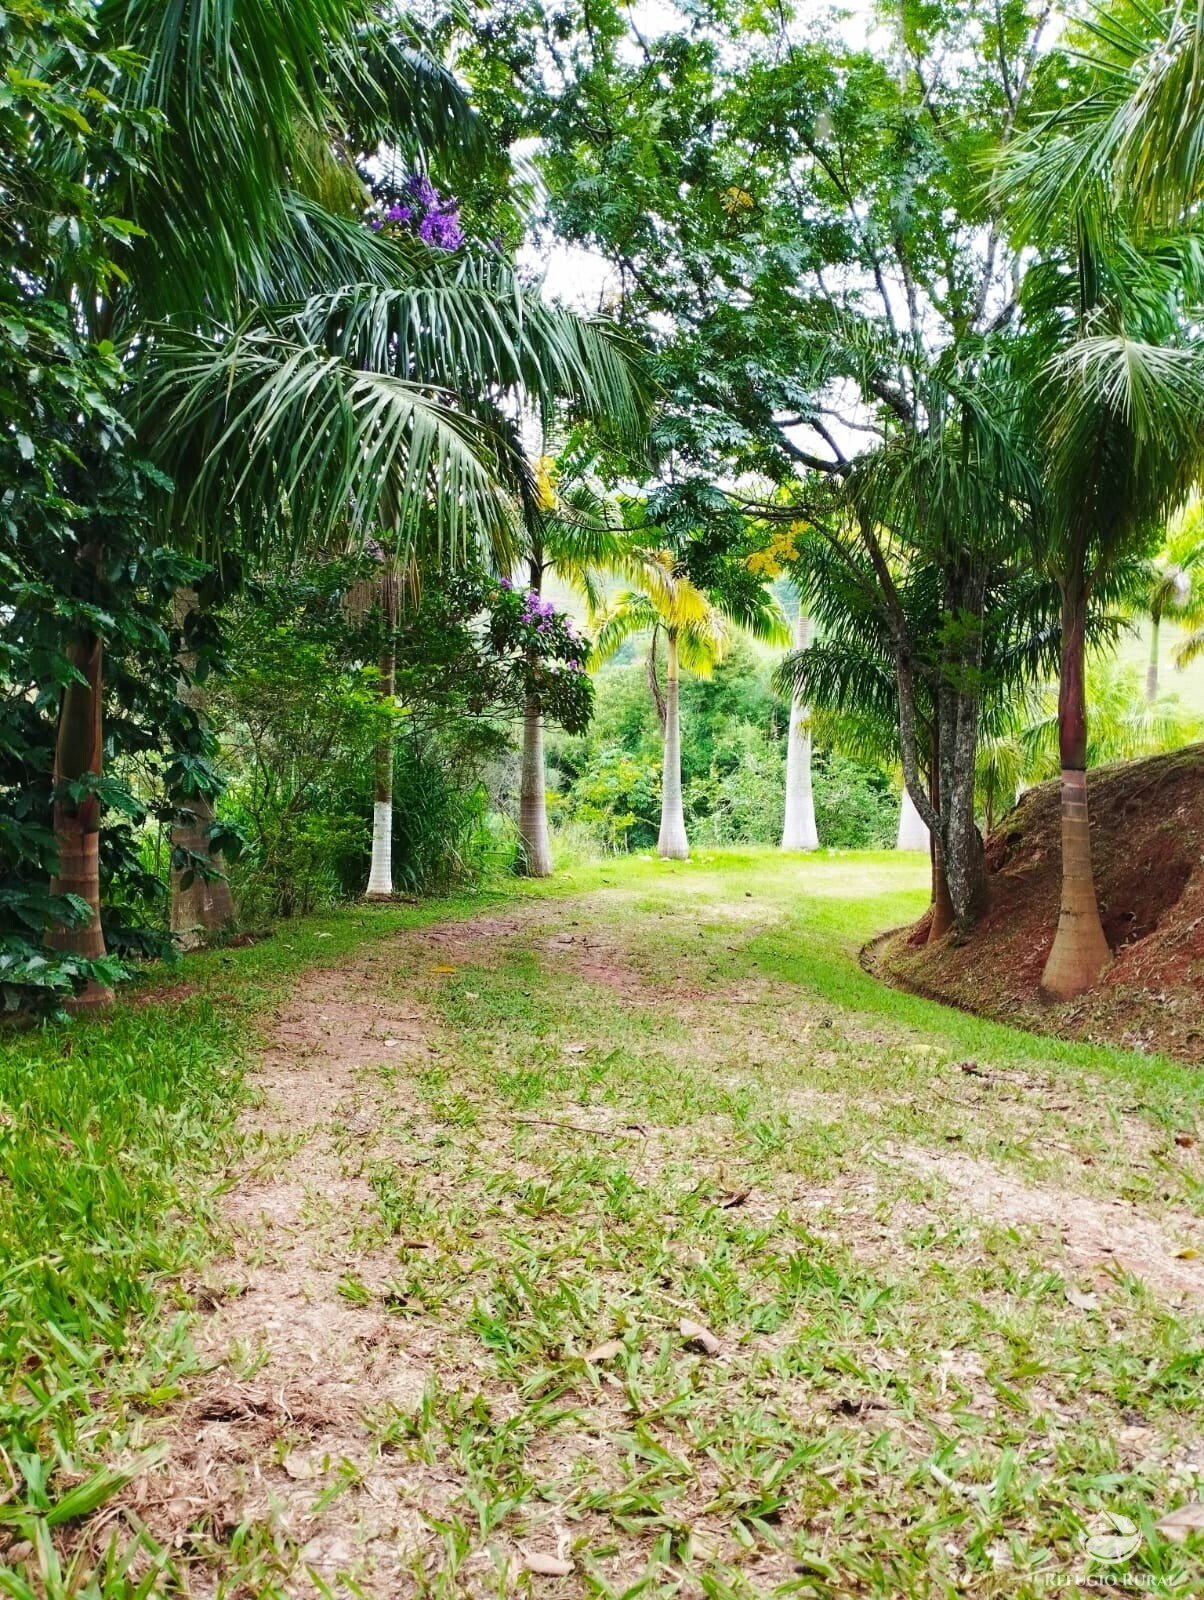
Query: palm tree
point(697, 628)
point(376, 400)
point(579, 537)
point(1119, 394)
point(1172, 587)
point(798, 824)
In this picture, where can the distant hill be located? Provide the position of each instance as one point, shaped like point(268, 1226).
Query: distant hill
point(1147, 834)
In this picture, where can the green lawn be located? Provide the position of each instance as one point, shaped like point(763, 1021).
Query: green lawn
point(937, 1278)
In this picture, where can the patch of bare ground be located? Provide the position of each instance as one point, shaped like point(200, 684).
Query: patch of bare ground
point(1098, 1239)
point(276, 1433)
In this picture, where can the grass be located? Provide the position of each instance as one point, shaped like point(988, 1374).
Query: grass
point(664, 1095)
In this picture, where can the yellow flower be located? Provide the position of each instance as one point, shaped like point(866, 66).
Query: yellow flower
point(734, 199)
point(545, 483)
point(781, 550)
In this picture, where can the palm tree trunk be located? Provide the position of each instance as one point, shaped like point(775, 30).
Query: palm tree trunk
point(944, 913)
point(1080, 951)
point(913, 830)
point(672, 844)
point(532, 800)
point(798, 829)
point(205, 906)
point(1151, 671)
point(380, 877)
point(78, 752)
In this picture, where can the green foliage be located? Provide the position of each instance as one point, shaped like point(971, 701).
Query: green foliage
point(299, 715)
point(733, 766)
point(79, 558)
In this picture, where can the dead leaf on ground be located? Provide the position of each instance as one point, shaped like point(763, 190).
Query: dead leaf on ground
point(575, 1049)
point(1184, 1141)
point(607, 1351)
point(1183, 1520)
point(443, 969)
point(695, 1333)
point(1085, 1302)
point(545, 1565)
point(298, 1467)
point(1186, 1255)
point(728, 1202)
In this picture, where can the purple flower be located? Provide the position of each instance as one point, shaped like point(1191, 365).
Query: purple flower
point(441, 228)
point(574, 665)
point(504, 583)
point(398, 214)
point(376, 224)
point(423, 190)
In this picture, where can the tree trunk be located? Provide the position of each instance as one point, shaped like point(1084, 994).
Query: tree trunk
point(206, 906)
point(1151, 671)
point(380, 877)
point(913, 830)
point(1080, 951)
point(533, 796)
point(672, 844)
point(798, 829)
point(943, 912)
point(78, 753)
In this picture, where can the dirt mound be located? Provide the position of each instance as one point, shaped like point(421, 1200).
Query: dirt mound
point(1147, 839)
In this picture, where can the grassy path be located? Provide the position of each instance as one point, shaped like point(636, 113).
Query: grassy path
point(625, 1237)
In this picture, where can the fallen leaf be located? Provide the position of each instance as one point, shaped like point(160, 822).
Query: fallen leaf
point(1183, 1520)
point(1085, 1302)
point(546, 1566)
point(1186, 1255)
point(575, 1049)
point(607, 1351)
point(443, 969)
point(695, 1333)
point(392, 1041)
point(728, 1202)
point(1184, 1141)
point(298, 1467)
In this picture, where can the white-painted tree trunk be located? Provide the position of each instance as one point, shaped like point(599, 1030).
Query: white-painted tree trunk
point(798, 829)
point(533, 797)
point(913, 830)
point(672, 844)
point(380, 876)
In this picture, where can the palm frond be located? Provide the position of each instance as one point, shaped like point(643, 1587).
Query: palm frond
point(282, 431)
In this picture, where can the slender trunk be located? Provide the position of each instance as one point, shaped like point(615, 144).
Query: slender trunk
point(78, 751)
point(380, 877)
point(533, 785)
point(1151, 671)
point(913, 830)
point(798, 829)
point(672, 844)
point(533, 802)
point(943, 914)
point(205, 906)
point(1080, 951)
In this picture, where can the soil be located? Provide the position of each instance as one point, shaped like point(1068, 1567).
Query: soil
point(1147, 839)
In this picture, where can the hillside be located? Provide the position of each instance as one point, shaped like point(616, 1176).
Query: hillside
point(1147, 830)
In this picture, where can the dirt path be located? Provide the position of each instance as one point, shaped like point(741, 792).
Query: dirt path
point(534, 1280)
